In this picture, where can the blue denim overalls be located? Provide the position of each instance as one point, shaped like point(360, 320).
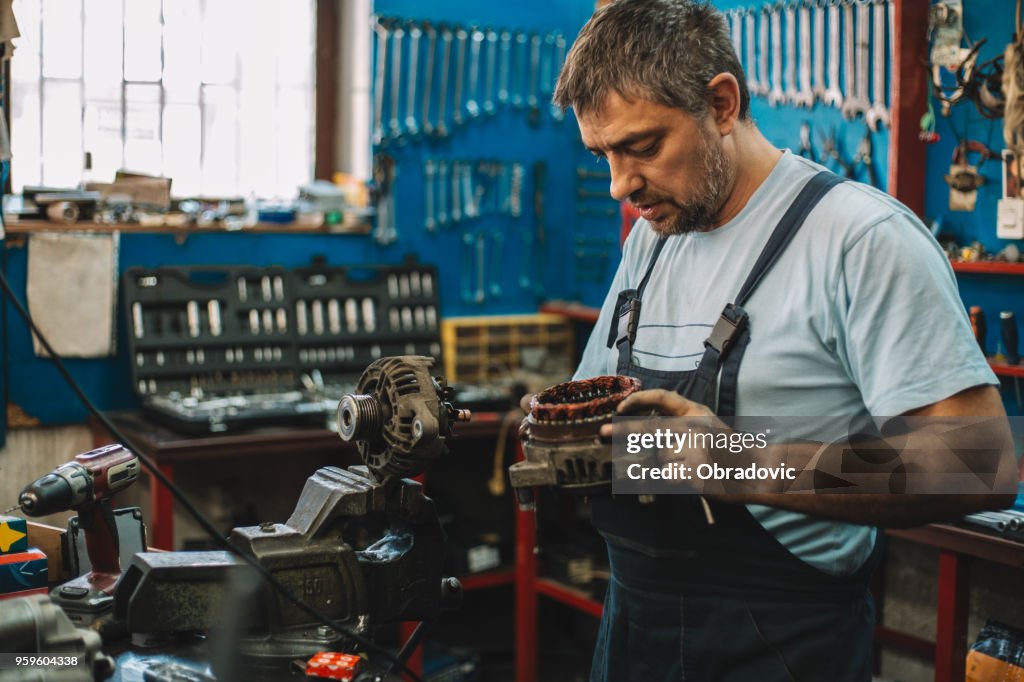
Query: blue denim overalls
point(724, 602)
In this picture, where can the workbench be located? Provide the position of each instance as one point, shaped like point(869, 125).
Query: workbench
point(168, 448)
point(958, 547)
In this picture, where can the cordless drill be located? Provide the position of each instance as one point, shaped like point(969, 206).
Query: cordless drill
point(86, 485)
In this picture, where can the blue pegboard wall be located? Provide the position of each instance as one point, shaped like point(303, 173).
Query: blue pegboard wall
point(994, 22)
point(507, 136)
point(781, 124)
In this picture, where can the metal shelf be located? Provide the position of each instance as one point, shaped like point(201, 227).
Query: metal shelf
point(988, 267)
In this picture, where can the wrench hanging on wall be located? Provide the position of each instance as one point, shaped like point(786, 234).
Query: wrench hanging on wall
point(789, 10)
point(476, 45)
point(878, 114)
point(461, 40)
point(750, 22)
point(776, 95)
point(382, 34)
point(805, 95)
point(441, 129)
point(856, 47)
point(490, 72)
point(818, 89)
point(412, 126)
point(764, 47)
point(833, 94)
point(428, 80)
point(394, 126)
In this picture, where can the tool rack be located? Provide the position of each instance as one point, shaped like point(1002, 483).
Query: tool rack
point(220, 347)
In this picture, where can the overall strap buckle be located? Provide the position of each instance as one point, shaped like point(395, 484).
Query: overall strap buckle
point(728, 328)
point(629, 321)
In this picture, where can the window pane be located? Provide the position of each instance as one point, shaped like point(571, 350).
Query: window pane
point(219, 40)
point(103, 136)
point(294, 142)
point(102, 46)
point(62, 38)
point(183, 135)
point(26, 150)
point(296, 45)
point(220, 140)
point(181, 50)
point(25, 63)
point(62, 133)
point(142, 129)
point(143, 32)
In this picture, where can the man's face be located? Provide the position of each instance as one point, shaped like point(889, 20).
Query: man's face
point(665, 162)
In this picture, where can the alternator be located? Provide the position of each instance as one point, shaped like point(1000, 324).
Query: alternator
point(399, 416)
point(562, 446)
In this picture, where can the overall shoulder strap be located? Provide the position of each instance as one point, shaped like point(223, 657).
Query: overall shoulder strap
point(817, 187)
point(627, 307)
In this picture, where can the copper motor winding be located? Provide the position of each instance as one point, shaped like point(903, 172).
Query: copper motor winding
point(562, 446)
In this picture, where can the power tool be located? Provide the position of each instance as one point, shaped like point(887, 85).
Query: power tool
point(86, 484)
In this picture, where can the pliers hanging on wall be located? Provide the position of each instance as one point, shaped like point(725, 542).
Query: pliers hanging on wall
point(863, 156)
point(830, 151)
point(806, 150)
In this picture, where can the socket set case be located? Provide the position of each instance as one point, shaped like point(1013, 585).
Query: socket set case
point(215, 348)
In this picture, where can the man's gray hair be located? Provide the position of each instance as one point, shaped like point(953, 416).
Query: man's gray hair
point(663, 51)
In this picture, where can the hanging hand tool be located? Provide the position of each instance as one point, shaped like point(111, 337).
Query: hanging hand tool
point(857, 102)
point(833, 96)
point(384, 173)
point(818, 88)
point(520, 55)
point(806, 149)
point(878, 114)
point(476, 44)
point(442, 195)
point(789, 10)
point(829, 150)
point(863, 158)
point(492, 68)
point(532, 97)
point(461, 39)
point(429, 175)
point(441, 129)
point(776, 95)
point(805, 95)
point(547, 64)
point(456, 191)
point(428, 80)
point(764, 47)
point(382, 34)
point(412, 126)
point(504, 65)
point(560, 46)
point(394, 127)
point(750, 22)
point(734, 18)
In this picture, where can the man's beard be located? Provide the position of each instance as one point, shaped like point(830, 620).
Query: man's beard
point(714, 182)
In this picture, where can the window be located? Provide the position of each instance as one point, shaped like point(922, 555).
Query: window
point(215, 94)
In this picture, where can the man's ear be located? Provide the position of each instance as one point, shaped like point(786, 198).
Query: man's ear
point(724, 91)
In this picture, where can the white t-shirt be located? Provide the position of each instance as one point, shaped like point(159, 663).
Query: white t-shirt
point(860, 315)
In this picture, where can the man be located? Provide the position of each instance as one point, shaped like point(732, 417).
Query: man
point(851, 310)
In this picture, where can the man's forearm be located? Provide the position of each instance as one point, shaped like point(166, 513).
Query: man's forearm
point(896, 511)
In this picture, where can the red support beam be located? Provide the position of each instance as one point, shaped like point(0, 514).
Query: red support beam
point(526, 591)
point(951, 619)
point(909, 102)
